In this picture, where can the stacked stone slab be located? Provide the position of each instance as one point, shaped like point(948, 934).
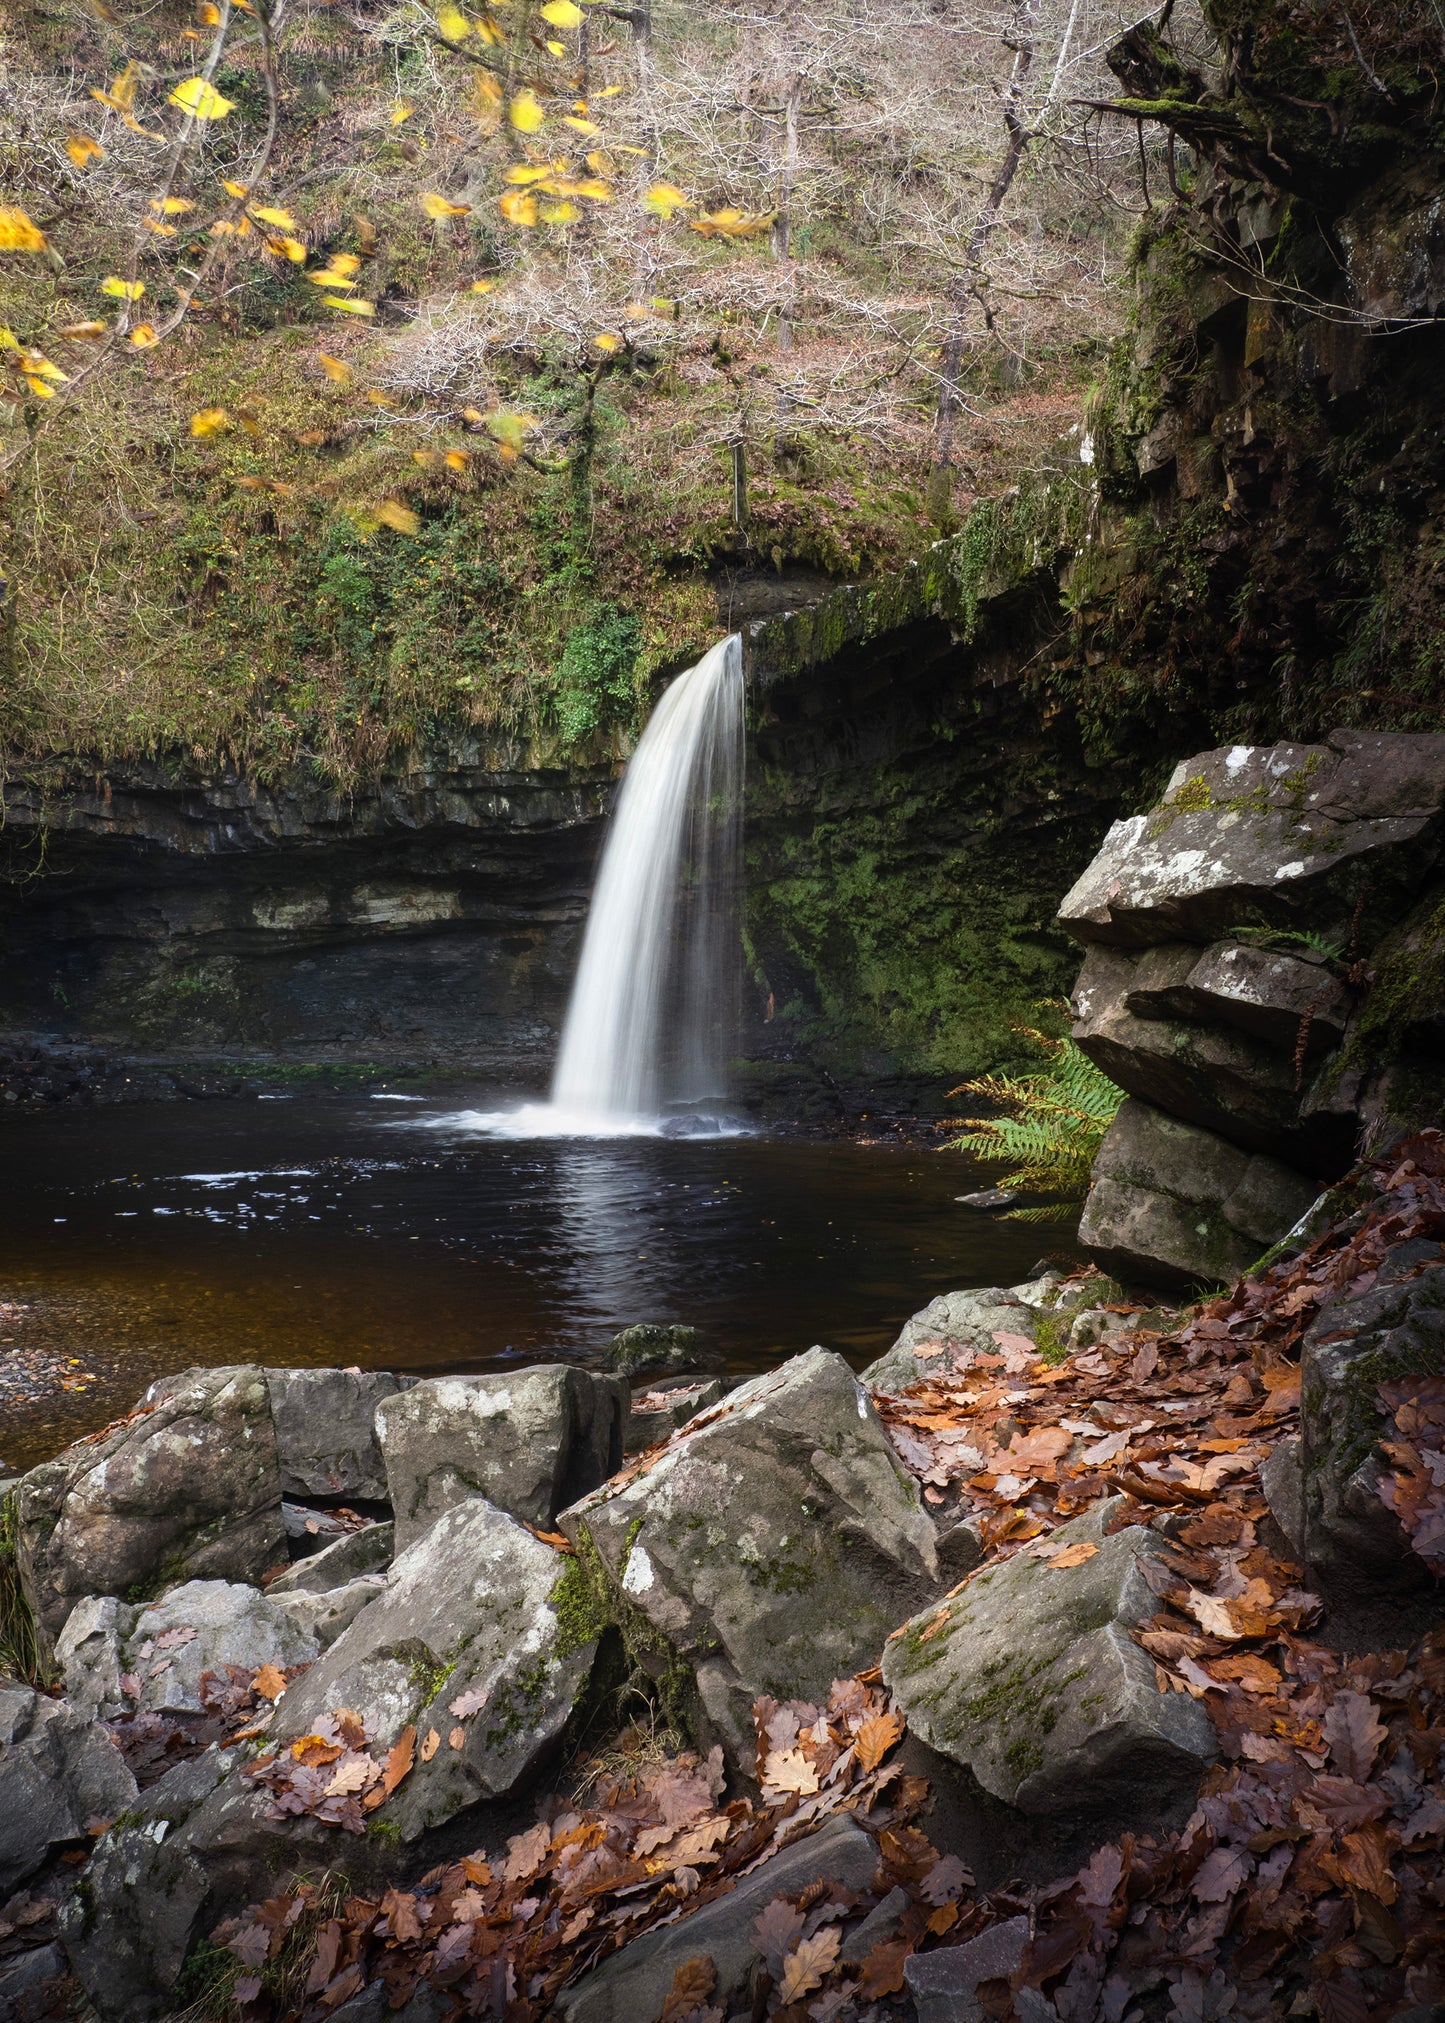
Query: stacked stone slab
point(1227, 934)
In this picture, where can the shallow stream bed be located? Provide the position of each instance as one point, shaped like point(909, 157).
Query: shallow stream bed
point(383, 1231)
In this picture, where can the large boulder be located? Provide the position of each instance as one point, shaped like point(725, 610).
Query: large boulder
point(1031, 1679)
point(1265, 993)
point(469, 1666)
point(474, 1613)
point(1217, 1075)
point(635, 1983)
point(1351, 1539)
point(767, 1549)
point(529, 1442)
point(325, 1421)
point(60, 1774)
point(165, 1649)
point(1179, 1206)
point(1287, 836)
point(186, 1487)
point(354, 1554)
point(1040, 1311)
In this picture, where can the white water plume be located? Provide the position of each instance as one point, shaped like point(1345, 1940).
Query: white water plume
point(654, 1010)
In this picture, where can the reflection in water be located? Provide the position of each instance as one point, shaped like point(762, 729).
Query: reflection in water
point(143, 1239)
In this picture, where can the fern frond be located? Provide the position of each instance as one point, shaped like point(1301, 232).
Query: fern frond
point(1052, 1124)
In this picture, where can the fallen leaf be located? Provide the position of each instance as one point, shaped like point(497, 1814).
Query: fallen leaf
point(692, 1984)
point(269, 1682)
point(808, 1963)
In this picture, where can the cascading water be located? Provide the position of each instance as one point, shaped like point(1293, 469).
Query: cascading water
point(654, 1010)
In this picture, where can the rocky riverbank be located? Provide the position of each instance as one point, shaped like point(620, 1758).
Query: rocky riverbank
point(845, 1695)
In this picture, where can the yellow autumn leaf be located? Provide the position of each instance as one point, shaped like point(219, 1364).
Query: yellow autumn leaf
point(591, 187)
point(526, 172)
point(335, 368)
point(453, 24)
point(518, 207)
point(562, 14)
point(587, 126)
point(392, 514)
point(146, 132)
point(482, 287)
point(607, 340)
point(556, 48)
point(124, 291)
point(18, 234)
point(344, 263)
point(510, 427)
point(208, 14)
point(378, 396)
point(39, 388)
point(664, 199)
point(330, 277)
point(144, 336)
point(209, 421)
point(92, 327)
point(489, 30)
point(401, 111)
point(82, 149)
point(267, 214)
point(121, 96)
point(351, 306)
point(457, 460)
point(293, 249)
point(731, 224)
point(611, 91)
point(161, 231)
point(171, 207)
point(37, 362)
point(200, 100)
point(428, 459)
point(525, 113)
point(664, 305)
point(560, 214)
point(243, 228)
point(236, 189)
point(437, 206)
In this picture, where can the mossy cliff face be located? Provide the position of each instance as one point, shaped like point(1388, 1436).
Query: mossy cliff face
point(1242, 542)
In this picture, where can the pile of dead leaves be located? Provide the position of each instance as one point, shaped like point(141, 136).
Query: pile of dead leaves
point(332, 1775)
point(237, 1704)
point(503, 1933)
point(1415, 1487)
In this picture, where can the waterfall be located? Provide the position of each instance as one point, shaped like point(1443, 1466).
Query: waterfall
point(653, 1014)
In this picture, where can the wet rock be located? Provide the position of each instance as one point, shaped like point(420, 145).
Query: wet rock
point(657, 1413)
point(470, 1615)
point(988, 1197)
point(59, 1772)
point(636, 1982)
point(1034, 1310)
point(944, 1985)
point(187, 1488)
point(29, 1986)
point(354, 1553)
point(1035, 1684)
point(146, 1896)
point(652, 1346)
point(1262, 992)
point(1176, 1205)
point(324, 1614)
point(528, 1442)
point(166, 1648)
point(1396, 1329)
point(325, 1422)
point(768, 1549)
point(1289, 835)
point(1216, 1076)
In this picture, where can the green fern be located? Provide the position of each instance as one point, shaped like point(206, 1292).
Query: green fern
point(1052, 1125)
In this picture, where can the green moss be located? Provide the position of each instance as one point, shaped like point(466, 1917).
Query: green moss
point(648, 1651)
point(387, 1831)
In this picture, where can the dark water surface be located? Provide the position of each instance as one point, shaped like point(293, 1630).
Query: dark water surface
point(382, 1232)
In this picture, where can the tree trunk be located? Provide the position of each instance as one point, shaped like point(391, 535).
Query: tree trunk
point(783, 229)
